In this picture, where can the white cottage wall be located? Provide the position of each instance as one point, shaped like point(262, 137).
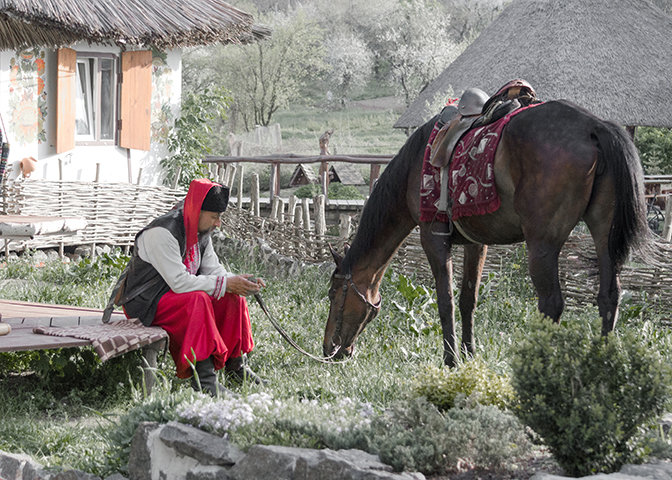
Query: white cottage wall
point(35, 109)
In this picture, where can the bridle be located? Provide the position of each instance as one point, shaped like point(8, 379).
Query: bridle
point(372, 309)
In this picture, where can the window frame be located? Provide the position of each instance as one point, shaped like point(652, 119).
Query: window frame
point(96, 96)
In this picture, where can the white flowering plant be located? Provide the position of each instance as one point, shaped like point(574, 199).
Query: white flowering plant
point(260, 418)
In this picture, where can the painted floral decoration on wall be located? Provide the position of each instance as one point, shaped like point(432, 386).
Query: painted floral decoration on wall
point(28, 96)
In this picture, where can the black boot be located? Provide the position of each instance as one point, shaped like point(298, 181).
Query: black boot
point(205, 379)
point(238, 372)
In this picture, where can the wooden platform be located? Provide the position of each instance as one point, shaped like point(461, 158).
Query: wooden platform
point(24, 316)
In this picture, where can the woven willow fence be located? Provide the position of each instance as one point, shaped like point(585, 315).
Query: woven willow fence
point(578, 267)
point(115, 211)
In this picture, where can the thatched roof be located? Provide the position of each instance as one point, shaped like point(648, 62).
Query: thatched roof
point(162, 24)
point(303, 175)
point(346, 173)
point(613, 57)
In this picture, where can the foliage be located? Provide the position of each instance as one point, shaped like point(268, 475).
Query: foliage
point(414, 435)
point(309, 190)
point(343, 192)
point(161, 407)
point(190, 138)
point(415, 40)
point(266, 75)
point(472, 382)
point(351, 63)
point(589, 396)
point(655, 149)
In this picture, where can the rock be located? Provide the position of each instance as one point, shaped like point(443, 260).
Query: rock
point(116, 476)
point(140, 458)
point(209, 472)
point(74, 475)
point(18, 466)
point(205, 447)
point(289, 463)
point(52, 255)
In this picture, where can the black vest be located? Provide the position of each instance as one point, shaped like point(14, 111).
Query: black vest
point(144, 284)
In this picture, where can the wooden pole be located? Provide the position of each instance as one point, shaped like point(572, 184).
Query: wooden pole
point(344, 226)
point(320, 216)
point(254, 195)
point(129, 165)
point(139, 175)
point(305, 209)
point(291, 208)
point(375, 173)
point(240, 187)
point(667, 228)
point(176, 180)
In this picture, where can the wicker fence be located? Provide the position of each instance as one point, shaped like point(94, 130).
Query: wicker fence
point(116, 212)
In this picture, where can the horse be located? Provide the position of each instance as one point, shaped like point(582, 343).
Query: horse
point(555, 165)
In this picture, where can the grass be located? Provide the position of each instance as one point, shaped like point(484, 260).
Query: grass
point(61, 415)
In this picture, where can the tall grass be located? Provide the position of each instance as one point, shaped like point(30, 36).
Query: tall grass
point(63, 421)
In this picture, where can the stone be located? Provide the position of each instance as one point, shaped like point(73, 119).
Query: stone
point(18, 466)
point(282, 463)
point(209, 472)
point(205, 447)
point(74, 475)
point(52, 255)
point(140, 458)
point(116, 476)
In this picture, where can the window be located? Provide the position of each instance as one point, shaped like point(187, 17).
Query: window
point(95, 98)
point(92, 95)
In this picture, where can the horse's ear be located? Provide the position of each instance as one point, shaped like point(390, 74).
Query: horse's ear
point(337, 256)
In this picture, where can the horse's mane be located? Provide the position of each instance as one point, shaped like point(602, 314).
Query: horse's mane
point(388, 196)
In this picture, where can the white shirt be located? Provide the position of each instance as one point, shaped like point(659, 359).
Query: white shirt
point(160, 248)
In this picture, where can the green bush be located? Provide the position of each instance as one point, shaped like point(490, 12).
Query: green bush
point(415, 435)
point(588, 396)
point(655, 149)
point(309, 190)
point(338, 191)
point(472, 381)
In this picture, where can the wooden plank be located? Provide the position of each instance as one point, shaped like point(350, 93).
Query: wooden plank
point(23, 339)
point(136, 97)
point(65, 99)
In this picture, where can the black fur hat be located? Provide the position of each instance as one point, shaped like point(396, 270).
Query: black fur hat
point(216, 199)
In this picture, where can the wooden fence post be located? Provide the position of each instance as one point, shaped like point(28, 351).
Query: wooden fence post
point(373, 177)
point(240, 187)
point(305, 209)
point(278, 209)
point(667, 228)
point(254, 195)
point(291, 208)
point(320, 216)
point(344, 226)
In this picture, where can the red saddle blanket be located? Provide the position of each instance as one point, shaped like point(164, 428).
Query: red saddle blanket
point(471, 179)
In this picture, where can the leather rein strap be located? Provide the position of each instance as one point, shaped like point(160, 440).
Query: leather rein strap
point(289, 339)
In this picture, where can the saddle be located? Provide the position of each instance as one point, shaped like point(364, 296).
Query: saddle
point(512, 96)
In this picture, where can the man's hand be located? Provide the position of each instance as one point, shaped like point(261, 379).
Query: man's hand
point(244, 285)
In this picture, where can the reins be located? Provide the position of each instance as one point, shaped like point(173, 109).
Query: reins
point(289, 339)
point(371, 307)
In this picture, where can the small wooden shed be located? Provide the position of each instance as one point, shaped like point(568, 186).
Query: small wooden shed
point(303, 175)
point(346, 173)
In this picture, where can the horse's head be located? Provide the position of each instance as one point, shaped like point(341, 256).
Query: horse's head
point(349, 312)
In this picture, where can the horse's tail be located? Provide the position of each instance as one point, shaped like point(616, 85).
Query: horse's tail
point(629, 228)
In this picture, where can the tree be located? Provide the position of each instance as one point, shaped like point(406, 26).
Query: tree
point(350, 62)
point(265, 75)
point(415, 40)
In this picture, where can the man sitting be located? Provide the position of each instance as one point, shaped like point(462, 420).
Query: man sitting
point(175, 281)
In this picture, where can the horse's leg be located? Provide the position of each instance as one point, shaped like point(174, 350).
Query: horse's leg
point(543, 266)
point(436, 243)
point(474, 259)
point(598, 219)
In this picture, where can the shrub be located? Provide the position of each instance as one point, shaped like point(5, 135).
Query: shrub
point(415, 435)
point(310, 190)
point(655, 149)
point(588, 396)
point(472, 381)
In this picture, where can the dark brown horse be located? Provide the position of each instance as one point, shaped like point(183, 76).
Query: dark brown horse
point(556, 164)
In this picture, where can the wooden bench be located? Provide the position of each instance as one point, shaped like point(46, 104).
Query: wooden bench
point(25, 317)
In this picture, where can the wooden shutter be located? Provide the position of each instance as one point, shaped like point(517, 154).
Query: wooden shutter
point(65, 99)
point(136, 98)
